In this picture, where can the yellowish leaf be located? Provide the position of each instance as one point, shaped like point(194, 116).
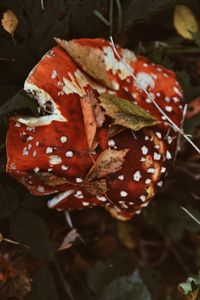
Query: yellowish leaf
point(108, 162)
point(126, 113)
point(185, 22)
point(9, 21)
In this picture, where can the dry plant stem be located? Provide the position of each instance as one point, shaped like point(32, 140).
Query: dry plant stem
point(179, 259)
point(80, 281)
point(190, 215)
point(111, 16)
point(175, 127)
point(63, 280)
point(42, 4)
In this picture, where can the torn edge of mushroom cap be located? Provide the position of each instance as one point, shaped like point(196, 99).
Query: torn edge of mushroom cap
point(42, 98)
point(119, 214)
point(59, 198)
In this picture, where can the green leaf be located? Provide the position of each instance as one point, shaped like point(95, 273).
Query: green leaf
point(191, 282)
point(138, 10)
point(127, 288)
point(43, 287)
point(28, 228)
point(104, 273)
point(8, 201)
point(19, 102)
point(126, 113)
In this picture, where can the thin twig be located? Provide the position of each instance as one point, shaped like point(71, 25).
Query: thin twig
point(190, 215)
point(63, 279)
point(111, 16)
point(119, 8)
point(42, 4)
point(175, 127)
point(101, 17)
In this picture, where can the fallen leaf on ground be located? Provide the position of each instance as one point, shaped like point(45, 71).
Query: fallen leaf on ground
point(185, 22)
point(126, 113)
point(69, 240)
point(9, 21)
point(109, 161)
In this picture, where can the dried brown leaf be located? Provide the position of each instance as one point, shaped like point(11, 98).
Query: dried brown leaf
point(9, 21)
point(93, 117)
point(109, 161)
point(97, 187)
point(69, 239)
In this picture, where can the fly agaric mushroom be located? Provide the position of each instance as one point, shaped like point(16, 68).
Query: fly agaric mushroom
point(99, 140)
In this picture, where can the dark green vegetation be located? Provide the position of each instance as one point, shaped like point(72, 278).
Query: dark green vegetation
point(138, 260)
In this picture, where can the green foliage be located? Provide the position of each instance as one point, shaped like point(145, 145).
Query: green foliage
point(104, 273)
point(116, 280)
point(127, 288)
point(8, 201)
point(21, 101)
point(191, 281)
point(43, 287)
point(137, 10)
point(28, 228)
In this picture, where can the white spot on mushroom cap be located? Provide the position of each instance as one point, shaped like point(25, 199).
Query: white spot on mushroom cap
point(54, 74)
point(137, 176)
point(25, 151)
point(144, 81)
point(111, 143)
point(142, 198)
point(63, 139)
point(144, 150)
point(121, 177)
point(168, 155)
point(156, 156)
point(36, 170)
point(148, 181)
point(163, 170)
point(49, 150)
point(168, 108)
point(160, 183)
point(151, 170)
point(55, 160)
point(79, 195)
point(123, 194)
point(64, 167)
point(158, 134)
point(79, 180)
point(40, 189)
point(69, 154)
point(85, 203)
point(29, 138)
point(101, 198)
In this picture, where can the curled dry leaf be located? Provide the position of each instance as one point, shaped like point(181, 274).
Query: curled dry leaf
point(93, 117)
point(109, 161)
point(126, 113)
point(9, 21)
point(97, 187)
point(69, 239)
point(185, 22)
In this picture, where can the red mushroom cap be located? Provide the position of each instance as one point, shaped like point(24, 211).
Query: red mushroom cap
point(70, 150)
